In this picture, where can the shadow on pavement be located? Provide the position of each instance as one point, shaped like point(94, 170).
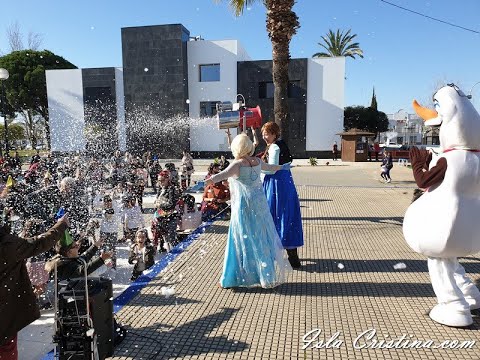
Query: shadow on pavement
point(357, 289)
point(396, 220)
point(316, 200)
point(159, 299)
point(192, 338)
point(374, 266)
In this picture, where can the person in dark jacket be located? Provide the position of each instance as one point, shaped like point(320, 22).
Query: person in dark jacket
point(142, 254)
point(68, 269)
point(18, 304)
point(165, 218)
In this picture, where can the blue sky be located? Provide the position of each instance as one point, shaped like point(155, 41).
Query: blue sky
point(406, 56)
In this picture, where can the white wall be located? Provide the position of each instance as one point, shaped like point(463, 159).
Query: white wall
point(65, 104)
point(325, 102)
point(204, 134)
point(120, 101)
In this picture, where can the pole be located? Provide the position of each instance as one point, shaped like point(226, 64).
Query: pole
point(4, 119)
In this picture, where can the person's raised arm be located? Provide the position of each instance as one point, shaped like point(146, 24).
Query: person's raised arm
point(233, 170)
point(255, 138)
point(229, 137)
point(25, 248)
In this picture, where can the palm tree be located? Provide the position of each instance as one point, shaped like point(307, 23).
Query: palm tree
point(339, 44)
point(282, 24)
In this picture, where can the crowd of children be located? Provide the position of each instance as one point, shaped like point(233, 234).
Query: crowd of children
point(104, 201)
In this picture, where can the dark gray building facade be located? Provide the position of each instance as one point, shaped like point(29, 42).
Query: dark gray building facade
point(254, 81)
point(155, 77)
point(99, 98)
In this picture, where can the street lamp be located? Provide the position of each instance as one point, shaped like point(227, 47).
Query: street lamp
point(4, 76)
point(470, 94)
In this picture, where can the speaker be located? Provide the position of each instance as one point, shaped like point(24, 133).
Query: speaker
point(72, 303)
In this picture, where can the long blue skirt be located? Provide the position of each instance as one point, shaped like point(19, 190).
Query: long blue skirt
point(282, 199)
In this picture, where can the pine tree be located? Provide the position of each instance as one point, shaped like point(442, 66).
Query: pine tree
point(373, 105)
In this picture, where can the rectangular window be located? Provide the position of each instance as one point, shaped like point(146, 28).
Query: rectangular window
point(97, 94)
point(208, 108)
point(294, 90)
point(266, 90)
point(209, 72)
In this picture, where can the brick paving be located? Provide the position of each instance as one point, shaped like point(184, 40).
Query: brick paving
point(347, 285)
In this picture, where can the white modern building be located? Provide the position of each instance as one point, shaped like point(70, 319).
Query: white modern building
point(164, 97)
point(403, 129)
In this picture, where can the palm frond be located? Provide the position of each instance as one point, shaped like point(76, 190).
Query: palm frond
point(322, 54)
point(238, 6)
point(340, 43)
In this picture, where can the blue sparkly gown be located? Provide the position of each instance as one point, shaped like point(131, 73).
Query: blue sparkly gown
point(254, 254)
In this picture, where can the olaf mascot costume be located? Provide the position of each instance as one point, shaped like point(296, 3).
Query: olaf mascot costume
point(443, 224)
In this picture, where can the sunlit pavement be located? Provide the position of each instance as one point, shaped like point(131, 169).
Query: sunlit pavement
point(358, 277)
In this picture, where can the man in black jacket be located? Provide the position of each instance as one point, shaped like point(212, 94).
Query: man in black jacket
point(18, 305)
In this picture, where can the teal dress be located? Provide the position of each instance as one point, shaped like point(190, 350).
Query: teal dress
point(254, 254)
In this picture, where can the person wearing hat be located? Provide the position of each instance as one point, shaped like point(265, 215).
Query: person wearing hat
point(67, 269)
point(164, 225)
point(18, 304)
point(173, 173)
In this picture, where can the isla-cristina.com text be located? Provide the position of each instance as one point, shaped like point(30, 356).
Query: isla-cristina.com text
point(369, 339)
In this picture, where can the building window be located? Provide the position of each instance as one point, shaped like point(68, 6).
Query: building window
point(95, 94)
point(266, 90)
point(294, 90)
point(208, 108)
point(210, 72)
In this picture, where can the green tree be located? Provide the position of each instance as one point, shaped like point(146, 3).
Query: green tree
point(26, 88)
point(365, 118)
point(282, 24)
point(339, 44)
point(16, 132)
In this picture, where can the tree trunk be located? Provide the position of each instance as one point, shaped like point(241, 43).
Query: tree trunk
point(30, 128)
point(280, 82)
point(45, 115)
point(282, 24)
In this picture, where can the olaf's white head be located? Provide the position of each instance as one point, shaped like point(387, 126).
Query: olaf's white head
point(459, 121)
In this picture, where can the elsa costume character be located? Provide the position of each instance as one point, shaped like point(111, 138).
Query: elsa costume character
point(254, 254)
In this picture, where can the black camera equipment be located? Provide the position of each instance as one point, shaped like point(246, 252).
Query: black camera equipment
point(83, 317)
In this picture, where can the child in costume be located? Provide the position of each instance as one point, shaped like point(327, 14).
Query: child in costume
point(142, 254)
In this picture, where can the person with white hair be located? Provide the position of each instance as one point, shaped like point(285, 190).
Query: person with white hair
point(254, 254)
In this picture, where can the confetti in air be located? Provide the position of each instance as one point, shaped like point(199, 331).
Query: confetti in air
point(400, 266)
point(167, 291)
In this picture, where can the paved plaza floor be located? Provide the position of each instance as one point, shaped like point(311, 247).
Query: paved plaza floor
point(360, 286)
